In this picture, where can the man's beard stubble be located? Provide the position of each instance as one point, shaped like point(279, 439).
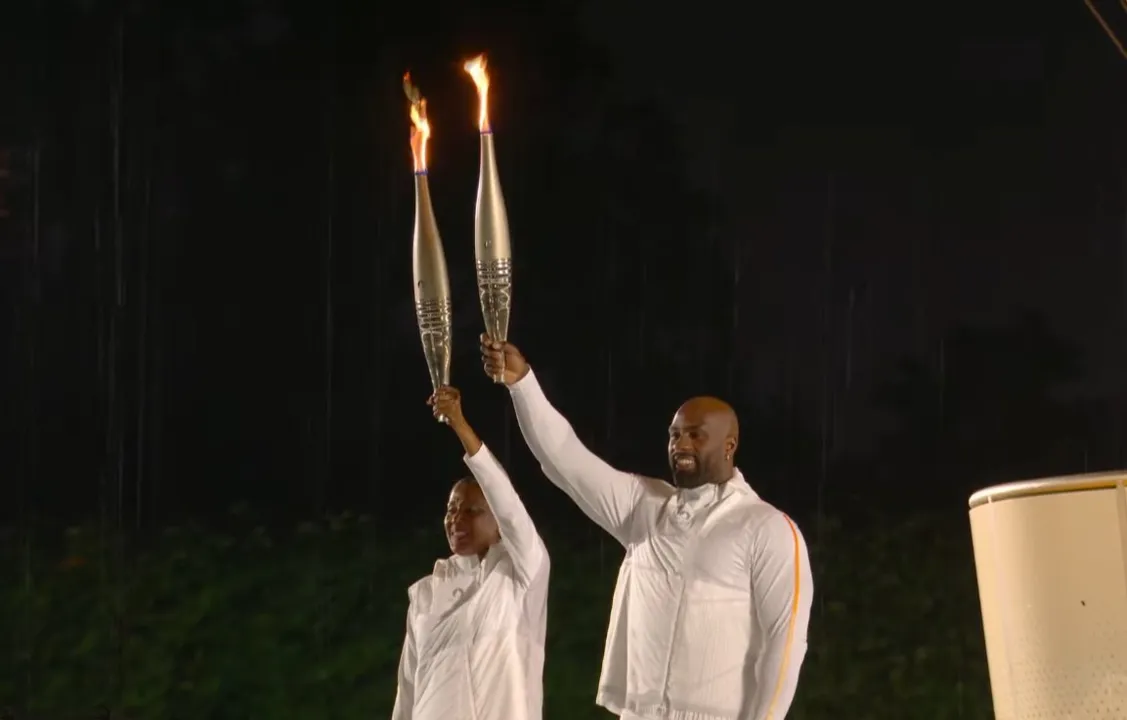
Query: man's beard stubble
point(688, 479)
point(707, 471)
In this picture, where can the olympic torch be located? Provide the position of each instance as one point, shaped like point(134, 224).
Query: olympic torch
point(432, 283)
point(491, 223)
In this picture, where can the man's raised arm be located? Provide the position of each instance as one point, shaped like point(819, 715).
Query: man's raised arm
point(605, 495)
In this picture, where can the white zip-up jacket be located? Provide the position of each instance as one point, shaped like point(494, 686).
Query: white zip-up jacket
point(710, 612)
point(475, 630)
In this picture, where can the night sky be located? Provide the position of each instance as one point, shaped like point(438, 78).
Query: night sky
point(967, 162)
point(206, 285)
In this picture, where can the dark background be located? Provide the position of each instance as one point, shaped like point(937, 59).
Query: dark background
point(894, 237)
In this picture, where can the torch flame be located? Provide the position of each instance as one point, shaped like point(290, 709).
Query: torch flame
point(420, 126)
point(476, 68)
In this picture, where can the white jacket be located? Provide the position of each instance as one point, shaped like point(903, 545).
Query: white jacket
point(712, 603)
point(475, 630)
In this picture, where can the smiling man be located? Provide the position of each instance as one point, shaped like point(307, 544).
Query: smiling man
point(710, 612)
point(474, 648)
point(702, 441)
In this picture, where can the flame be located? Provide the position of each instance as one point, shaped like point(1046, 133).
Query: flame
point(476, 68)
point(420, 126)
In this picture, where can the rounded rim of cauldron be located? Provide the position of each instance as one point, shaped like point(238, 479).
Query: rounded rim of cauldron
point(1050, 486)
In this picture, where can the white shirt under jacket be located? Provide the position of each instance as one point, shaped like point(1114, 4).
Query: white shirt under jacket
point(710, 612)
point(475, 630)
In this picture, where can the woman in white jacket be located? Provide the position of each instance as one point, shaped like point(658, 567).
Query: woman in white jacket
point(474, 648)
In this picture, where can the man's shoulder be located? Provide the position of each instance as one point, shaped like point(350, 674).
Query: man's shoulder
point(759, 516)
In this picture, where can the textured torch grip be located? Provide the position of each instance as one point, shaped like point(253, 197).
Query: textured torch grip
point(495, 290)
point(435, 322)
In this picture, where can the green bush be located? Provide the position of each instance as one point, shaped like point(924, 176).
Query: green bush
point(308, 624)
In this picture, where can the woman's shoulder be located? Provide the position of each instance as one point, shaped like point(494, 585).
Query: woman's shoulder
point(419, 593)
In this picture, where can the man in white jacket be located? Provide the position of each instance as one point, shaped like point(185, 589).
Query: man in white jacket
point(474, 647)
point(713, 598)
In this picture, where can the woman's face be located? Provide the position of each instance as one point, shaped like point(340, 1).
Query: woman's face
point(471, 528)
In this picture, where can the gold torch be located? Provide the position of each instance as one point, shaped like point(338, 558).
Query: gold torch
point(491, 223)
point(432, 283)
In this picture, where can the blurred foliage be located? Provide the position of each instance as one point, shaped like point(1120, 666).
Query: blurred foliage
point(203, 622)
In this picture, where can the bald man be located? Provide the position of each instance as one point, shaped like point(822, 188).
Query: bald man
point(710, 611)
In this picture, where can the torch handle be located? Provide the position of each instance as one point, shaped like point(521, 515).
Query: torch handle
point(435, 330)
point(495, 290)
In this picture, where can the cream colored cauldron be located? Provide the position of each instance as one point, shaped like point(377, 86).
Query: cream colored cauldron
point(1051, 559)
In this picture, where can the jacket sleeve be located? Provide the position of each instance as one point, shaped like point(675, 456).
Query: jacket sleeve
point(782, 594)
point(518, 533)
point(606, 495)
point(405, 692)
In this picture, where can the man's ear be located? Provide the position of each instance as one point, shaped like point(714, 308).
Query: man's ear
point(730, 446)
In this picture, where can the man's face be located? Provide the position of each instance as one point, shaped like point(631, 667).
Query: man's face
point(696, 449)
point(470, 526)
